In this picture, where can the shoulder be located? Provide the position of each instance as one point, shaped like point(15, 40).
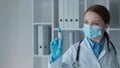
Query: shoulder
point(112, 48)
point(75, 45)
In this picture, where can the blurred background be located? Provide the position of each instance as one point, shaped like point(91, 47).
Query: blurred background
point(23, 24)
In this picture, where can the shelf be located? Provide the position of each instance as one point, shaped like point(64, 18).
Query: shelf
point(114, 29)
point(42, 38)
point(42, 10)
point(79, 29)
point(42, 23)
point(69, 29)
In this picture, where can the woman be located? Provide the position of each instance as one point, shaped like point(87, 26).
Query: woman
point(95, 51)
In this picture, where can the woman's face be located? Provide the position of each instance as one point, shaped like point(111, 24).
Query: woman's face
point(92, 18)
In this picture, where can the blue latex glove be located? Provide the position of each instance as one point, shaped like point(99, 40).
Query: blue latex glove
point(56, 49)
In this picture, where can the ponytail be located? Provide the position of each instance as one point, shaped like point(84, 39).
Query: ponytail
point(106, 35)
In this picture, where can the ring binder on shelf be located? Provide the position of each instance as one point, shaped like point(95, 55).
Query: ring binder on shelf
point(76, 13)
point(71, 14)
point(44, 37)
point(66, 14)
point(40, 40)
point(61, 13)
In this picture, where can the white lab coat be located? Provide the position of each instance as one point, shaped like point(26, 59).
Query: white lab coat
point(87, 59)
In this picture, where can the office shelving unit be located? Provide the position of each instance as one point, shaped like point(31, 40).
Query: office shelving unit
point(42, 32)
point(46, 15)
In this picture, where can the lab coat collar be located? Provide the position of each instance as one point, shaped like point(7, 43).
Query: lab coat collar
point(102, 52)
point(89, 47)
point(105, 49)
point(92, 43)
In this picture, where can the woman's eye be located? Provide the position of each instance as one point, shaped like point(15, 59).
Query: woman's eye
point(95, 24)
point(86, 22)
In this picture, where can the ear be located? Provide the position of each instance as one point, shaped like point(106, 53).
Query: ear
point(106, 26)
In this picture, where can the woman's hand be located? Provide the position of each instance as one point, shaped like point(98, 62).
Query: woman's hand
point(56, 48)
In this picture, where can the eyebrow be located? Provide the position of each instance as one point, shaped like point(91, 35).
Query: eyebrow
point(96, 20)
point(92, 21)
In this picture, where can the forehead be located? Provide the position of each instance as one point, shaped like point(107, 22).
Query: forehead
point(91, 16)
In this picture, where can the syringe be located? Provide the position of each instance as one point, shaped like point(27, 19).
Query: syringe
point(59, 35)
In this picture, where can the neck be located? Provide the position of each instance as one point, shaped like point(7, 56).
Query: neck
point(98, 40)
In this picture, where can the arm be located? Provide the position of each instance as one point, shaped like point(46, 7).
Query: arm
point(55, 64)
point(65, 61)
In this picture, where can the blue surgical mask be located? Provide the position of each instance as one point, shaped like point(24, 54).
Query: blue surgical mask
point(92, 31)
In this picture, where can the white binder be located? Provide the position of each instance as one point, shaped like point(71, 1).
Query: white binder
point(43, 40)
point(40, 40)
point(61, 13)
point(71, 14)
point(76, 13)
point(46, 40)
point(66, 14)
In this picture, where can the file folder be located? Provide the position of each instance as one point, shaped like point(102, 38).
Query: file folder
point(40, 40)
point(61, 13)
point(66, 14)
point(76, 13)
point(46, 40)
point(71, 14)
point(44, 37)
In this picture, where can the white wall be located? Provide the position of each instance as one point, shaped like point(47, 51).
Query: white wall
point(16, 34)
point(115, 23)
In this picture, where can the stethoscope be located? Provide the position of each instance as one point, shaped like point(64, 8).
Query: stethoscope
point(76, 62)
